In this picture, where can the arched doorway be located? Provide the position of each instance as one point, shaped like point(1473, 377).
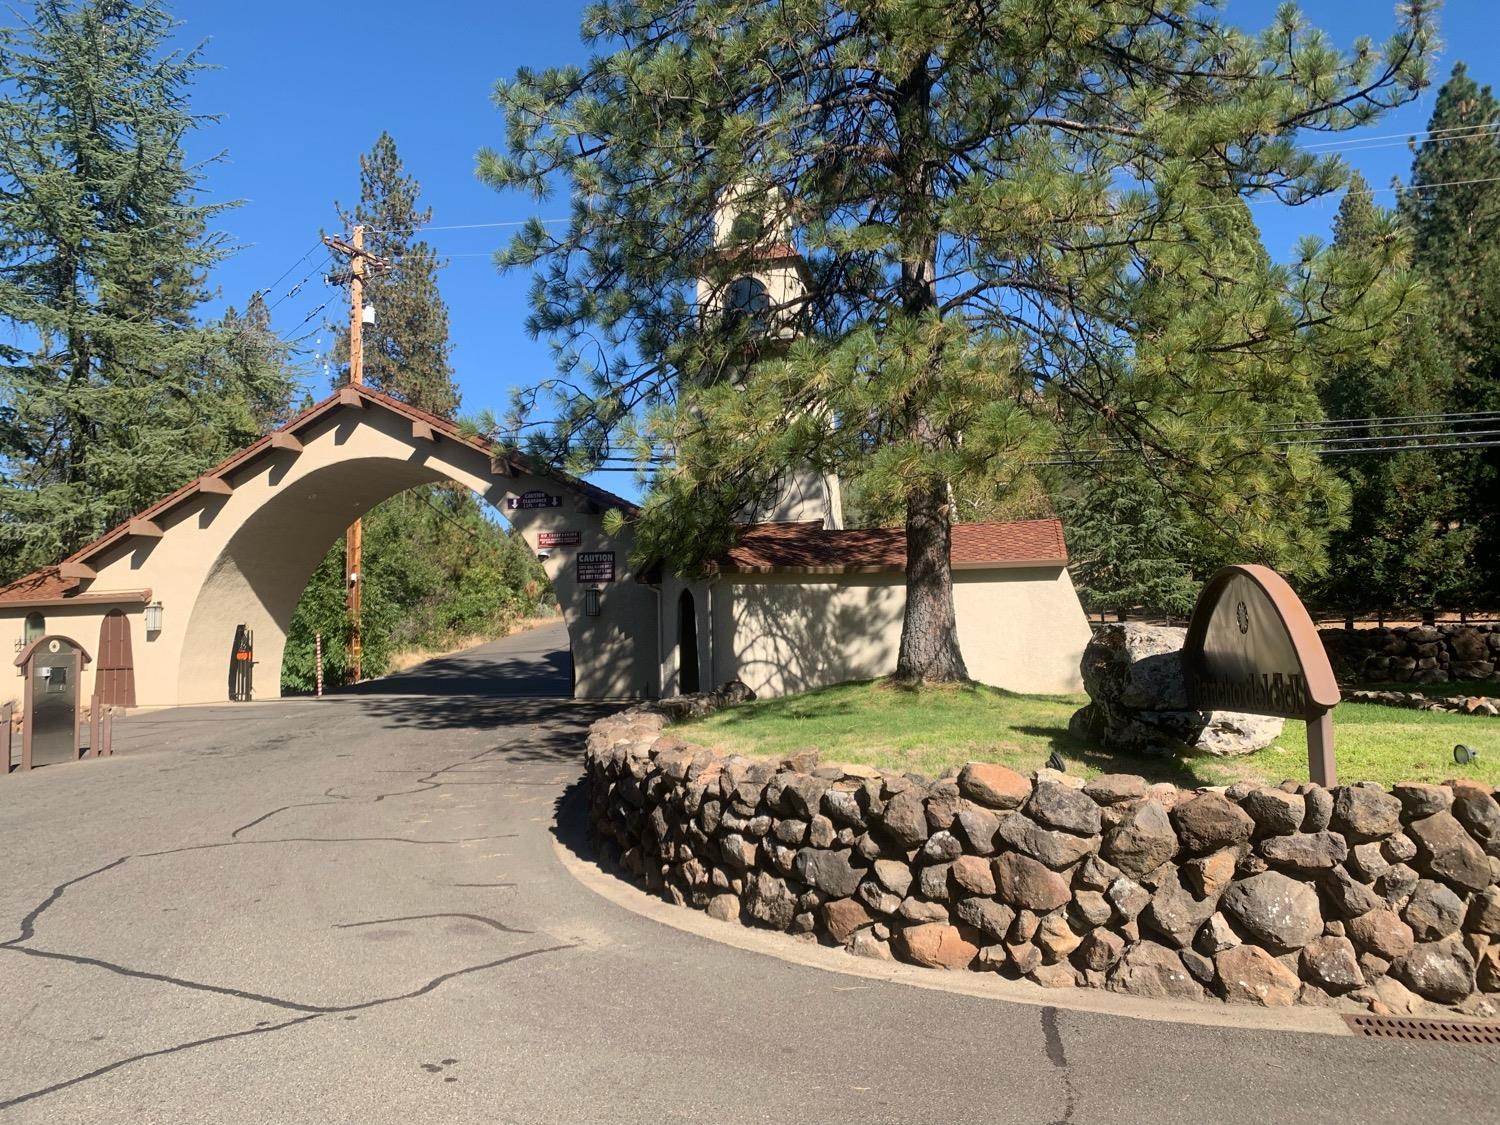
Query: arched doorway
point(687, 644)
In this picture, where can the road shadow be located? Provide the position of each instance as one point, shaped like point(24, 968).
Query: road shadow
point(558, 720)
point(572, 830)
point(549, 675)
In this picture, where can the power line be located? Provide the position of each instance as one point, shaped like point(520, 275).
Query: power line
point(466, 226)
point(287, 272)
point(1464, 132)
point(295, 289)
point(287, 339)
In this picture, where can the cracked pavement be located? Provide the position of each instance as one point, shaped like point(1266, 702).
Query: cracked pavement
point(350, 910)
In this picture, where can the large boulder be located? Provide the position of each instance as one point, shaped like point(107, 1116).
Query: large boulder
point(1133, 675)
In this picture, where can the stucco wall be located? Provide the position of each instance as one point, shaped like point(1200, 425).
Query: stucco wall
point(81, 623)
point(1022, 629)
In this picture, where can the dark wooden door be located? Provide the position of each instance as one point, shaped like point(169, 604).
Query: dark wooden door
point(687, 644)
point(114, 674)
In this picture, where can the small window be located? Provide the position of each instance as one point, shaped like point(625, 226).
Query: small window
point(57, 681)
point(36, 626)
point(749, 298)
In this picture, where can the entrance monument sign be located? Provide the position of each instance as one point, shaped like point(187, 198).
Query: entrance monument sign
point(1252, 647)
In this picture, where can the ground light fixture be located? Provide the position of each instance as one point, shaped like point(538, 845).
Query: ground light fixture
point(591, 602)
point(1465, 755)
point(153, 617)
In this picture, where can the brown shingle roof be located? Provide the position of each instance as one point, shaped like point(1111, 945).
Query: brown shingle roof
point(808, 547)
point(39, 585)
point(49, 587)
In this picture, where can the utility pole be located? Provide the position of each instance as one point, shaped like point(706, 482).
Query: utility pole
point(354, 537)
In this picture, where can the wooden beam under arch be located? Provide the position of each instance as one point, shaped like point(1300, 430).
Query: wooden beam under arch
point(280, 439)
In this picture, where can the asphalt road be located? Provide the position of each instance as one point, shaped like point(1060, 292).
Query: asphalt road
point(353, 910)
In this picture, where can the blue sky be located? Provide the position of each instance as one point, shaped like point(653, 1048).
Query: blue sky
point(304, 88)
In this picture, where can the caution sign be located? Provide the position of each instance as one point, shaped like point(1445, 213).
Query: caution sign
point(596, 566)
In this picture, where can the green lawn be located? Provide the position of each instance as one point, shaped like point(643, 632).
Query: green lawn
point(928, 731)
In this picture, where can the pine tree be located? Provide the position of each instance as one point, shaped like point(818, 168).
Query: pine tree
point(407, 348)
point(1456, 234)
point(1406, 546)
point(1126, 549)
point(110, 391)
point(259, 363)
point(1024, 229)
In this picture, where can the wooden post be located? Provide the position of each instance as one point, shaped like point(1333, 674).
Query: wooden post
point(6, 714)
point(96, 728)
point(359, 263)
point(1320, 762)
point(107, 733)
point(354, 538)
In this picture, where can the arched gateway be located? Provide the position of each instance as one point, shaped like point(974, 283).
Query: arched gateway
point(237, 546)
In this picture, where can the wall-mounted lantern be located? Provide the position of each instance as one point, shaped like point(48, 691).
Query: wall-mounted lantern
point(591, 602)
point(153, 617)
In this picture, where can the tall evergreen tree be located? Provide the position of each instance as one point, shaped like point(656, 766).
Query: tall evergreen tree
point(1126, 547)
point(407, 348)
point(1406, 545)
point(1452, 206)
point(1023, 224)
point(260, 364)
point(111, 393)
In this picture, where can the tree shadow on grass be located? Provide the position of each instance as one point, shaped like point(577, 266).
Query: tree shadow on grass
point(1152, 767)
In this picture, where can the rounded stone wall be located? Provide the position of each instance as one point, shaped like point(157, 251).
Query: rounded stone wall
point(1273, 895)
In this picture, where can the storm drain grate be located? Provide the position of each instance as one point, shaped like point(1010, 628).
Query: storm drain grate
point(1427, 1031)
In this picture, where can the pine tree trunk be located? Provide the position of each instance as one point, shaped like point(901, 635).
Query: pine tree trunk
point(929, 631)
point(929, 651)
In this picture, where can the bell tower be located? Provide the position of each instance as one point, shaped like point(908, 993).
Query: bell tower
point(767, 285)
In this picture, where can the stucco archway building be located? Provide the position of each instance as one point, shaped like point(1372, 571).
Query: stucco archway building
point(795, 605)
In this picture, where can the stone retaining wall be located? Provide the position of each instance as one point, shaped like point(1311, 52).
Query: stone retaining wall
point(1483, 705)
point(1347, 896)
point(1421, 654)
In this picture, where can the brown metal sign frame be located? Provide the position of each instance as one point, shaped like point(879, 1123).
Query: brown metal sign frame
point(1309, 691)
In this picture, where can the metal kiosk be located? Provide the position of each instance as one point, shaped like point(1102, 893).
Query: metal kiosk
point(53, 666)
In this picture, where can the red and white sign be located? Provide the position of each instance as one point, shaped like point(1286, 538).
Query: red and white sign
point(557, 539)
